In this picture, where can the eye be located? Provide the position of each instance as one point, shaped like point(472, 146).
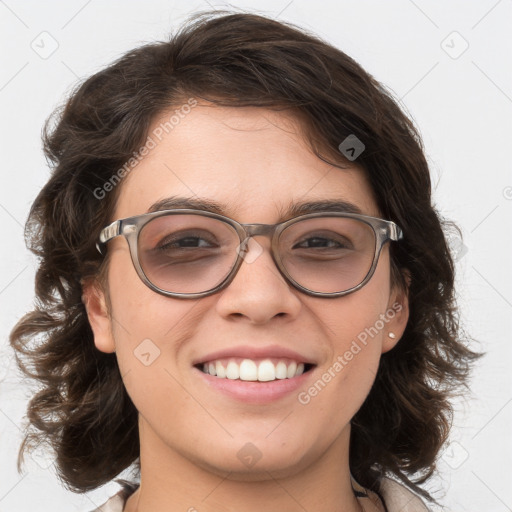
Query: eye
point(189, 241)
point(318, 242)
point(327, 240)
point(185, 240)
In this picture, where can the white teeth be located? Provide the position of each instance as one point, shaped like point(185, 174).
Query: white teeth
point(290, 371)
point(221, 371)
point(281, 370)
point(249, 370)
point(233, 371)
point(266, 371)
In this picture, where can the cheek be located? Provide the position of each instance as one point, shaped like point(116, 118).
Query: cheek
point(342, 383)
point(148, 328)
point(354, 348)
point(354, 327)
point(353, 324)
point(140, 312)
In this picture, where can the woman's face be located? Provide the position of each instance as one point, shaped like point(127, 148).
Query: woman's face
point(255, 163)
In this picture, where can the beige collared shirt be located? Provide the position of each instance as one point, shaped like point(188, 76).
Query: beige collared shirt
point(397, 498)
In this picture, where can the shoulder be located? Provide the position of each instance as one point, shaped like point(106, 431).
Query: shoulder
point(113, 504)
point(399, 498)
point(117, 502)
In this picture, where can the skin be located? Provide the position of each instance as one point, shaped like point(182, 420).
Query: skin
point(255, 161)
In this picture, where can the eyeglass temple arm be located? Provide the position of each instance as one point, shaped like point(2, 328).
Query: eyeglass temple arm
point(107, 233)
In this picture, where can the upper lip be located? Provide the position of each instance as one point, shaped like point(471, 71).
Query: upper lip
point(248, 352)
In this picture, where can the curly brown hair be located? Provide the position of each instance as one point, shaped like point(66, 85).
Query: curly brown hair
point(82, 409)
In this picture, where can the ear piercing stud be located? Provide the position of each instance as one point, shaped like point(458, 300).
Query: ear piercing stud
point(392, 335)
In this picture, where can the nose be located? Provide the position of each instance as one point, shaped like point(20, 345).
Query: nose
point(259, 292)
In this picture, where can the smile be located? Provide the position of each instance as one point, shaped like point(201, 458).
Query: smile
point(262, 370)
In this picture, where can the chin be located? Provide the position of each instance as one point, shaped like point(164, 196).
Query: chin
point(277, 467)
point(254, 460)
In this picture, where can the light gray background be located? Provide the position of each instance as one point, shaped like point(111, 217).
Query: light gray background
point(461, 99)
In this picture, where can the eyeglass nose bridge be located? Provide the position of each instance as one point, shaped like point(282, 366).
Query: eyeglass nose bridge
point(259, 229)
point(250, 230)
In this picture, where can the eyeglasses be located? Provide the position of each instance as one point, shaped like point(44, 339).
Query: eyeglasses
point(186, 253)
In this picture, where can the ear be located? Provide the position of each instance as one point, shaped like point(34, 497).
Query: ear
point(397, 313)
point(98, 314)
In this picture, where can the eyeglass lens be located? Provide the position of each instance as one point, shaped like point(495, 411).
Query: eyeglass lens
point(192, 253)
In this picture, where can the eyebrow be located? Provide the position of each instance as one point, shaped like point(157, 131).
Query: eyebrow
point(294, 209)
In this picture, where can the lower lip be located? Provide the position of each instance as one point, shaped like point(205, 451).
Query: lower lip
point(255, 392)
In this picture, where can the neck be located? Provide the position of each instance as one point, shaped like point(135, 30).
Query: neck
point(171, 482)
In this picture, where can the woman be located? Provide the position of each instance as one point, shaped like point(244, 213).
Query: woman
point(244, 291)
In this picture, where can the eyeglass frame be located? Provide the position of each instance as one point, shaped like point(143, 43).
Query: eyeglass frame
point(130, 228)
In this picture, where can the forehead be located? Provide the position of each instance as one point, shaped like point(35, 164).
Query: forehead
point(252, 162)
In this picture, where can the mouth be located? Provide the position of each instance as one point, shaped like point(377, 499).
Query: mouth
point(254, 375)
point(254, 370)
